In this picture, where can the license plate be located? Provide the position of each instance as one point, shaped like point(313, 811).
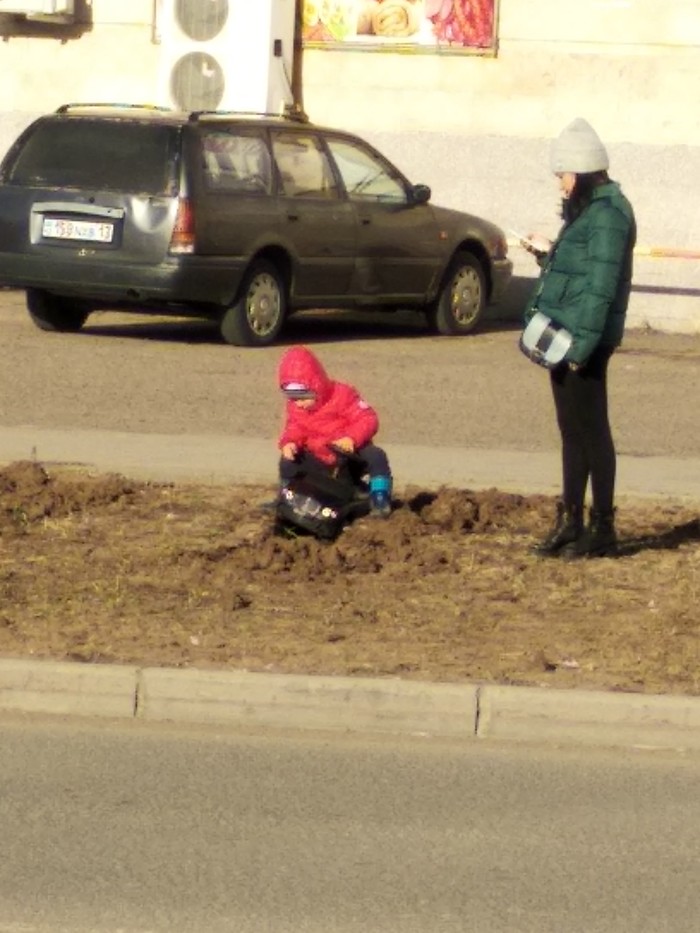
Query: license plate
point(94, 231)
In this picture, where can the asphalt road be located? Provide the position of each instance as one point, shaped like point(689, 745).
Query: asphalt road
point(126, 373)
point(144, 829)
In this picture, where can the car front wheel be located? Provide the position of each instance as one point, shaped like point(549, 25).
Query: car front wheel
point(461, 300)
point(256, 317)
point(54, 313)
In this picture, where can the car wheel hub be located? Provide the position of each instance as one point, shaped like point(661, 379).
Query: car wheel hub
point(263, 305)
point(466, 294)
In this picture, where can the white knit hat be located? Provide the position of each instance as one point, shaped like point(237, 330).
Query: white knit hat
point(578, 149)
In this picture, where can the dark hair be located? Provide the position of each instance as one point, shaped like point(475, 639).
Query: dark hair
point(582, 193)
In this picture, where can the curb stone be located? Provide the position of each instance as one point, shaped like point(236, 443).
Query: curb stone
point(67, 688)
point(309, 702)
point(293, 701)
point(590, 717)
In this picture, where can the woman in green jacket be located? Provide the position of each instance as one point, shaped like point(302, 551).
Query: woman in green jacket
point(585, 285)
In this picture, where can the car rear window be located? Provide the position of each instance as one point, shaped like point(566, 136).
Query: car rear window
point(112, 154)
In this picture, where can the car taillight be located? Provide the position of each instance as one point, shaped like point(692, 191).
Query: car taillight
point(182, 240)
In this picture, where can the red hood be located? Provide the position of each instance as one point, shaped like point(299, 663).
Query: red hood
point(300, 365)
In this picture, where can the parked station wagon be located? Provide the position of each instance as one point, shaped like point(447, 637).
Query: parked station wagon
point(236, 218)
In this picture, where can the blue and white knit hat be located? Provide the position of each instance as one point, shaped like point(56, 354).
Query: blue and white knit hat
point(295, 390)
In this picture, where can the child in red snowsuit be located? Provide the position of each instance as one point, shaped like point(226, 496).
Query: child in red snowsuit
point(322, 412)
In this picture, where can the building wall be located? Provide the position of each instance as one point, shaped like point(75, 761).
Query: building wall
point(634, 65)
point(474, 127)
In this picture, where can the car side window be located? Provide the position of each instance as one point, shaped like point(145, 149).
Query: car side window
point(303, 166)
point(366, 178)
point(238, 162)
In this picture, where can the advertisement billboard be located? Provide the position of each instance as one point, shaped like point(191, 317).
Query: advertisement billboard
point(405, 25)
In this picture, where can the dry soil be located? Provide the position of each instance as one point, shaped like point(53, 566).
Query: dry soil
point(104, 569)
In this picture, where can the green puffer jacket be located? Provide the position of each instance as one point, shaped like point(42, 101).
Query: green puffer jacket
point(586, 277)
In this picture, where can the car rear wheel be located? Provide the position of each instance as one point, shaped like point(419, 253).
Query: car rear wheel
point(54, 313)
point(461, 301)
point(256, 317)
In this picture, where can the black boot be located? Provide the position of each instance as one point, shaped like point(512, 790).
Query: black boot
point(568, 528)
point(598, 539)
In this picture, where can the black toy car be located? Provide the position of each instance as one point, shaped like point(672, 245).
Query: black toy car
point(321, 502)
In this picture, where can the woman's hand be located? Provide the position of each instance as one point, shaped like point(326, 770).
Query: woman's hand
point(289, 451)
point(536, 244)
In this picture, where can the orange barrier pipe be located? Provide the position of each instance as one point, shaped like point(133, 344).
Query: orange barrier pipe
point(668, 252)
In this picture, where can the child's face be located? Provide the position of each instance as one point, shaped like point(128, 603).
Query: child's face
point(304, 402)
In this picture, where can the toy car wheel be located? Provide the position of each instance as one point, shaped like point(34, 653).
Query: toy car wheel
point(256, 317)
point(461, 301)
point(54, 313)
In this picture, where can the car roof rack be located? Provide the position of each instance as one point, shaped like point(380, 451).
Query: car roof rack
point(293, 114)
point(112, 105)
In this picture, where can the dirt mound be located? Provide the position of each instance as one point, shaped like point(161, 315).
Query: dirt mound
point(101, 568)
point(28, 494)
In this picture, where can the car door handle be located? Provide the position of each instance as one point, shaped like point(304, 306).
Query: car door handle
point(366, 221)
point(291, 216)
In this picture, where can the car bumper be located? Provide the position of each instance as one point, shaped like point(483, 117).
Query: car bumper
point(180, 280)
point(501, 274)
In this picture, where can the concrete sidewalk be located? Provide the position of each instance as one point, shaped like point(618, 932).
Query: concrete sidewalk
point(240, 698)
point(217, 459)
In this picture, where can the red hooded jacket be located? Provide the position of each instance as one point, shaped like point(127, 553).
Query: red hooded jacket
point(338, 411)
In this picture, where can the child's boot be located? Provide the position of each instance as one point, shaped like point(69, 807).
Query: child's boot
point(380, 496)
point(271, 504)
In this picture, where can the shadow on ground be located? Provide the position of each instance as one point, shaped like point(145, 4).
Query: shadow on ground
point(310, 327)
point(670, 540)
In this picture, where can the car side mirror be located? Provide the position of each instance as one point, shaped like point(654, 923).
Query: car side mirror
point(420, 194)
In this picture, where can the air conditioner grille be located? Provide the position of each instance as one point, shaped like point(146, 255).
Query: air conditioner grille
point(201, 20)
point(197, 82)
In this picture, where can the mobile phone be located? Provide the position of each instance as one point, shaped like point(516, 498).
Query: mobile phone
point(519, 236)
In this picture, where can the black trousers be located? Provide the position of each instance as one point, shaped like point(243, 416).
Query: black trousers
point(374, 462)
point(588, 450)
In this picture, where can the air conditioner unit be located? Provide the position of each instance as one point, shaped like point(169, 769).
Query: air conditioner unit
point(226, 54)
point(38, 7)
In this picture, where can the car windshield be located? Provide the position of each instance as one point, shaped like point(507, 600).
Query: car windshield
point(109, 155)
